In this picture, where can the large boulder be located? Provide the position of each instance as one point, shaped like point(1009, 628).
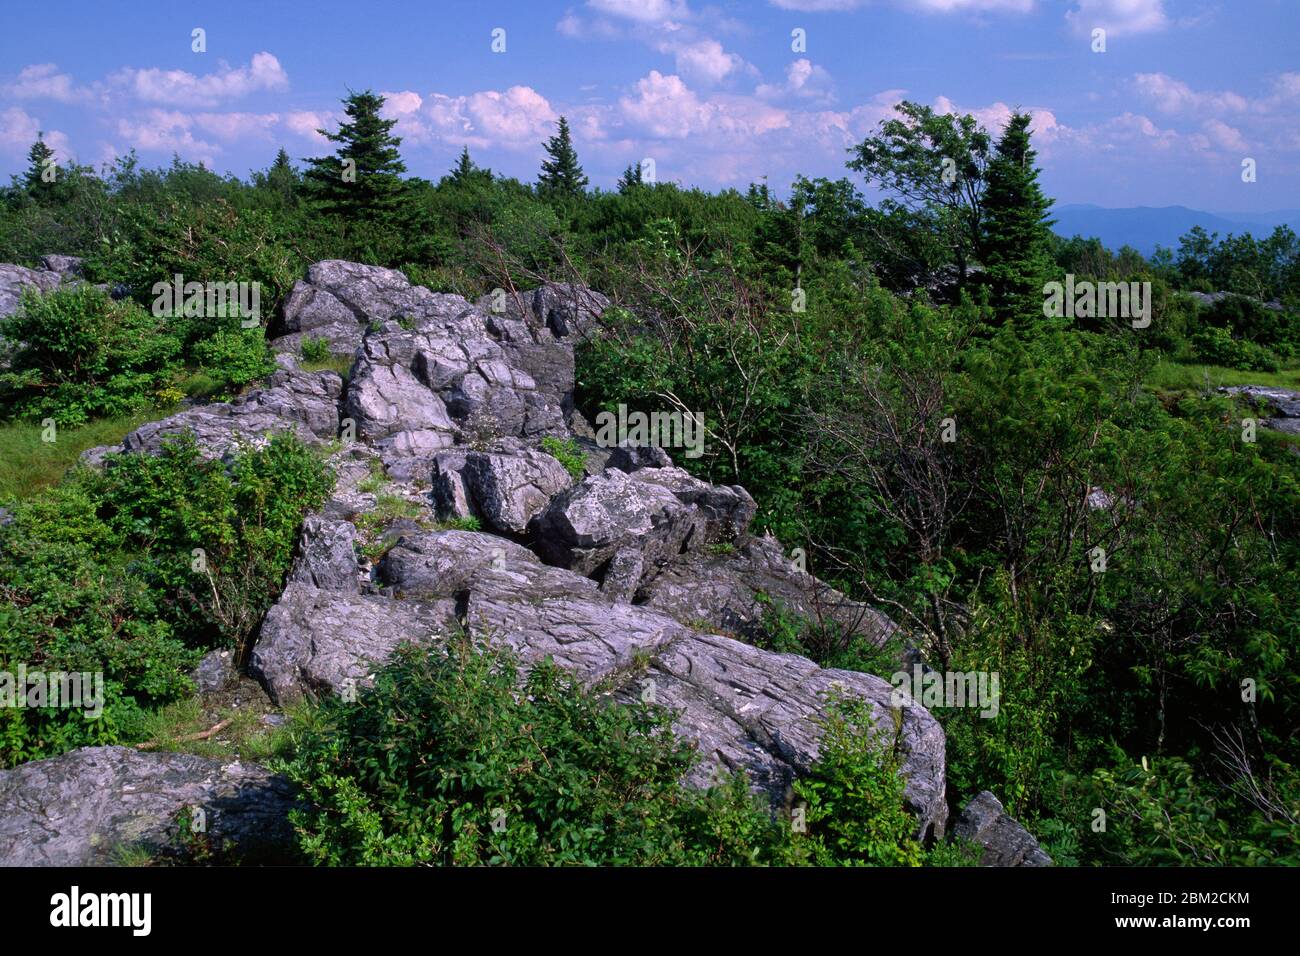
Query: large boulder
point(506, 488)
point(734, 589)
point(1005, 842)
point(446, 381)
point(302, 403)
point(14, 280)
point(338, 300)
point(651, 515)
point(564, 308)
point(746, 709)
point(87, 806)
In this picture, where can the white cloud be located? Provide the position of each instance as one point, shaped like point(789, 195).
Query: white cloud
point(167, 131)
point(516, 118)
point(803, 79)
point(706, 60)
point(305, 123)
point(924, 6)
point(1118, 16)
point(1174, 96)
point(180, 88)
point(664, 107)
point(1043, 123)
point(642, 11)
point(44, 81)
point(1224, 136)
point(19, 129)
point(234, 127)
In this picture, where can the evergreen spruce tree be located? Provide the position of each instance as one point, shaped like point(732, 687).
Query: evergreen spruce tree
point(630, 179)
point(281, 178)
point(466, 171)
point(465, 168)
point(561, 176)
point(1017, 239)
point(37, 159)
point(368, 149)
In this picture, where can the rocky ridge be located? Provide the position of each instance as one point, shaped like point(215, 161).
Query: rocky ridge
point(633, 576)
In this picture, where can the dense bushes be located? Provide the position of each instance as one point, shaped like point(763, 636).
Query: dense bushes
point(955, 470)
point(453, 757)
point(132, 572)
point(80, 355)
point(450, 760)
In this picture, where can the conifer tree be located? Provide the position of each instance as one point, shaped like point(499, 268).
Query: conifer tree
point(561, 176)
point(631, 178)
point(1017, 240)
point(467, 171)
point(362, 180)
point(39, 157)
point(282, 179)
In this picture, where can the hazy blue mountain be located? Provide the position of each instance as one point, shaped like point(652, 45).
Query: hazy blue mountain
point(1145, 227)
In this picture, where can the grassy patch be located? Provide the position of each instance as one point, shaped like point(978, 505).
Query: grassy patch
point(28, 464)
point(1176, 377)
point(333, 363)
point(172, 728)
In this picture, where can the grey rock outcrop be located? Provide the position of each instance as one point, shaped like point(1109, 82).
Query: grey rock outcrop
point(338, 300)
point(1005, 842)
point(69, 267)
point(746, 709)
point(302, 403)
point(86, 806)
point(1283, 405)
point(15, 279)
point(505, 488)
point(732, 591)
point(563, 308)
point(638, 576)
point(660, 513)
point(214, 673)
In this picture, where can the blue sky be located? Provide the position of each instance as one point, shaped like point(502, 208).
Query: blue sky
point(714, 92)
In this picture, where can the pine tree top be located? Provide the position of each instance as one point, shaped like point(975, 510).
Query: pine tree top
point(561, 174)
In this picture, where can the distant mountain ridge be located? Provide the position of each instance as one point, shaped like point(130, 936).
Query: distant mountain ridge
point(1145, 227)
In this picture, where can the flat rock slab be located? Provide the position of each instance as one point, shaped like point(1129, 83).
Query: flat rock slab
point(87, 806)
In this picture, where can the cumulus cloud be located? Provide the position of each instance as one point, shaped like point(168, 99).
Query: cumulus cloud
point(1174, 96)
point(1118, 16)
point(181, 88)
point(43, 81)
point(803, 79)
point(927, 6)
point(705, 59)
point(166, 131)
point(642, 11)
point(1043, 124)
point(19, 129)
point(516, 118)
point(306, 123)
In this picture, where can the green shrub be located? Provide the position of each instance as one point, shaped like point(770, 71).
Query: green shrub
point(314, 350)
point(452, 740)
point(854, 794)
point(100, 574)
point(1216, 346)
point(235, 358)
point(82, 356)
point(567, 453)
point(244, 518)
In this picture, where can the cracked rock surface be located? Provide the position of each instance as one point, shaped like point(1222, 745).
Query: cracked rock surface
point(638, 578)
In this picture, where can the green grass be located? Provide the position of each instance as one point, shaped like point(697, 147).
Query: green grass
point(28, 464)
point(1174, 377)
point(334, 363)
point(246, 737)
